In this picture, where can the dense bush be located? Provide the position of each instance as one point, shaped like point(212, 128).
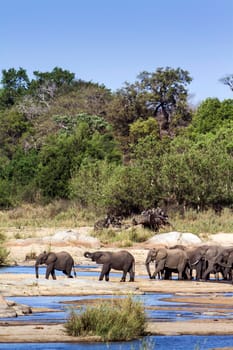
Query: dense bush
point(122, 319)
point(122, 152)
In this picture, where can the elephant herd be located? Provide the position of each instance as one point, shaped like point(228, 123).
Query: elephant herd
point(188, 262)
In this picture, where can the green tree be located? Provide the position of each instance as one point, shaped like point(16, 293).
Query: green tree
point(63, 154)
point(211, 115)
point(164, 91)
point(58, 76)
point(199, 172)
point(13, 126)
point(15, 84)
point(88, 183)
point(142, 128)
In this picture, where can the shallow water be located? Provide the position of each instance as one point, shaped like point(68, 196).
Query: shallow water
point(62, 304)
point(150, 300)
point(181, 342)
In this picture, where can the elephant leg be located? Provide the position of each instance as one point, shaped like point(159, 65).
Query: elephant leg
point(159, 267)
point(131, 274)
point(199, 270)
point(208, 271)
point(107, 275)
point(67, 273)
point(180, 274)
point(53, 274)
point(167, 274)
point(187, 274)
point(123, 278)
point(180, 269)
point(105, 272)
point(50, 270)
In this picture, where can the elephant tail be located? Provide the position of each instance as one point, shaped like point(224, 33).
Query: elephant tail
point(75, 274)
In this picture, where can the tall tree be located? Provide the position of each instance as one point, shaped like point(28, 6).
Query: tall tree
point(164, 91)
point(15, 84)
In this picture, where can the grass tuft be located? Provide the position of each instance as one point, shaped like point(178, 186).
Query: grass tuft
point(119, 320)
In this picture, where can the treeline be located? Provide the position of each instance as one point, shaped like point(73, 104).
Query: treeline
point(117, 152)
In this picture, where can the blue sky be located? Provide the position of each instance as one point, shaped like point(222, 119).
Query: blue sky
point(112, 41)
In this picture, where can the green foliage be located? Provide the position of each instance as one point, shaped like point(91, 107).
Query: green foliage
point(6, 196)
point(121, 152)
point(69, 123)
point(165, 91)
point(12, 128)
point(55, 166)
point(122, 319)
point(198, 173)
point(211, 115)
point(3, 251)
point(15, 84)
point(123, 238)
point(87, 185)
point(73, 156)
point(142, 128)
point(58, 78)
point(127, 190)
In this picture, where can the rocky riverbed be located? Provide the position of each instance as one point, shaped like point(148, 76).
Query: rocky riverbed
point(204, 296)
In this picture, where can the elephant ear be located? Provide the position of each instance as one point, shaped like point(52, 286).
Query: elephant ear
point(101, 257)
point(51, 257)
point(161, 254)
point(152, 254)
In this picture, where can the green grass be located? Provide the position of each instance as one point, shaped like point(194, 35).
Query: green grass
point(118, 320)
point(123, 238)
point(206, 222)
point(66, 214)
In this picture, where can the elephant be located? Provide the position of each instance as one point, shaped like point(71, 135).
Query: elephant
point(211, 259)
point(61, 261)
point(225, 261)
point(121, 260)
point(195, 258)
point(170, 259)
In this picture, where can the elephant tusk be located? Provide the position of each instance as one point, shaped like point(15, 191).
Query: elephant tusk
point(195, 262)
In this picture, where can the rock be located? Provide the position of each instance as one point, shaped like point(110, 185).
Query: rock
point(12, 309)
point(173, 238)
point(78, 237)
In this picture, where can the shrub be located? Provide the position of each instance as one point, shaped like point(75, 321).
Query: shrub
point(3, 252)
point(3, 255)
point(122, 319)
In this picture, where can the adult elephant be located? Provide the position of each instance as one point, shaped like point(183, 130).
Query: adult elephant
point(225, 260)
point(170, 259)
point(61, 261)
point(121, 260)
point(211, 260)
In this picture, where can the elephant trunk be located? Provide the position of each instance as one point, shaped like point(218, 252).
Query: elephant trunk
point(148, 260)
point(87, 255)
point(37, 270)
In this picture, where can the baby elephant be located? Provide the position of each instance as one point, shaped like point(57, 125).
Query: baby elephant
point(61, 261)
point(121, 260)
